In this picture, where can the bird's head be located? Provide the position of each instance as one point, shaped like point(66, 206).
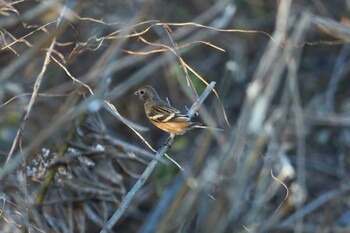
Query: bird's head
point(147, 93)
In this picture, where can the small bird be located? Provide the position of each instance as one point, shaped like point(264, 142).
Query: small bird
point(163, 115)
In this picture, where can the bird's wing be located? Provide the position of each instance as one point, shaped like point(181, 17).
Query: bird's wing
point(163, 112)
point(166, 108)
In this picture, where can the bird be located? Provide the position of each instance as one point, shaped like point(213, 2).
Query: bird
point(163, 115)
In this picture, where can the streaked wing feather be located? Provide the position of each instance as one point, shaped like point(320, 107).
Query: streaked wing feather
point(164, 112)
point(181, 117)
point(165, 108)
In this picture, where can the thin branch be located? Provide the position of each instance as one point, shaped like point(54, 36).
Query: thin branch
point(27, 94)
point(32, 100)
point(111, 108)
point(341, 68)
point(114, 35)
point(71, 76)
point(315, 204)
point(22, 39)
point(181, 61)
point(285, 187)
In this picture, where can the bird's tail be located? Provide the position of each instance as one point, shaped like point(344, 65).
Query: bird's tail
point(201, 126)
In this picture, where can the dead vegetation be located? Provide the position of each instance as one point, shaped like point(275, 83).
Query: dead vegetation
point(78, 155)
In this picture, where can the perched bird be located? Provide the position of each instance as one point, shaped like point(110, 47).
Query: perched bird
point(163, 115)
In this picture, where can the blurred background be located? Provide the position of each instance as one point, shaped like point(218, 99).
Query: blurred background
point(282, 96)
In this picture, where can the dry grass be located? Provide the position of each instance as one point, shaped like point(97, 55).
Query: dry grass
point(68, 164)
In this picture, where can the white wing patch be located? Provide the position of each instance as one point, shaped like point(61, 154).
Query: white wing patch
point(156, 117)
point(171, 116)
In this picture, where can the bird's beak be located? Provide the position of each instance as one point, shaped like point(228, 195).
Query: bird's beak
point(136, 93)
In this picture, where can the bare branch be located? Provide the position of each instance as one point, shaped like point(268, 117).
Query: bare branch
point(32, 100)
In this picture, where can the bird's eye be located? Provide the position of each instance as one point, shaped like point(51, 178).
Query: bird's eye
point(142, 92)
